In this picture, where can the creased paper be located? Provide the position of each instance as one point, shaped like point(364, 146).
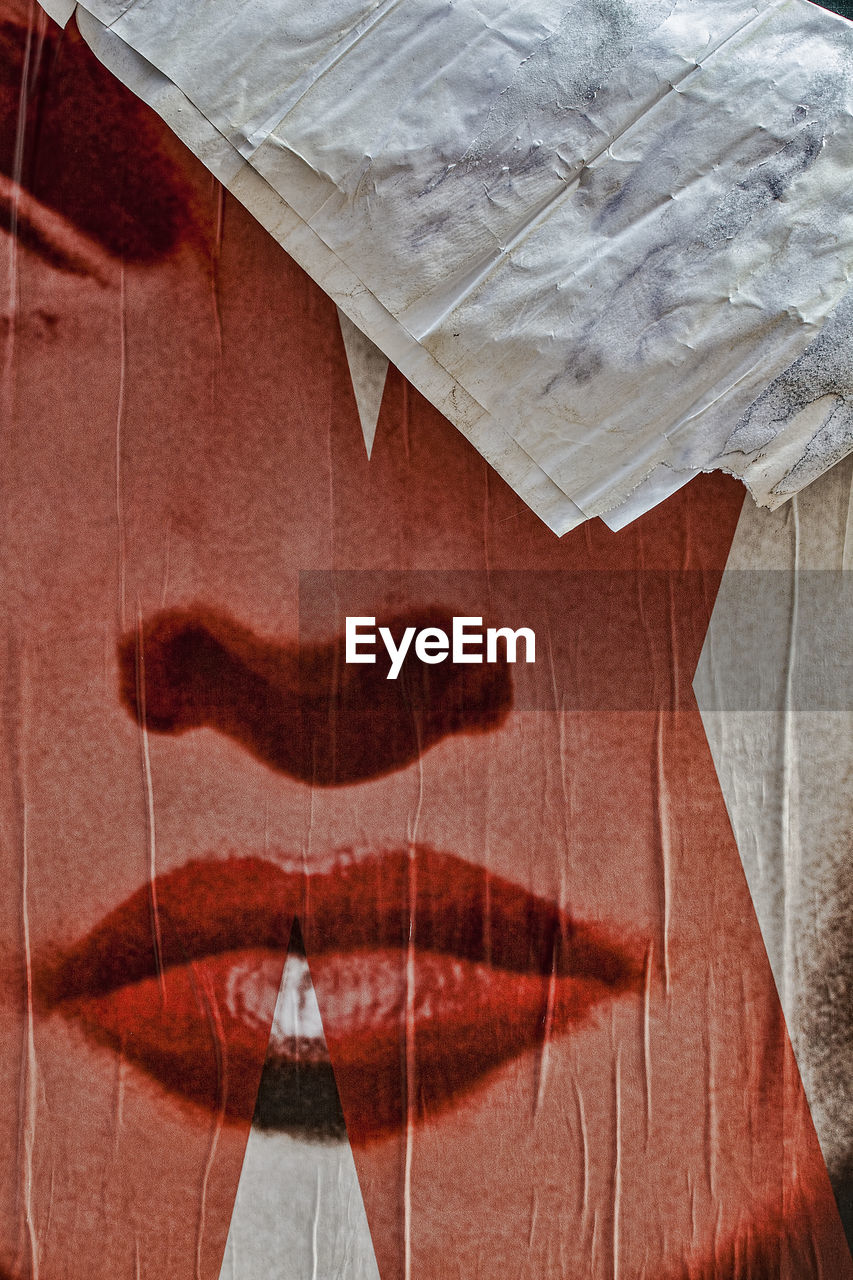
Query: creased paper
point(600, 239)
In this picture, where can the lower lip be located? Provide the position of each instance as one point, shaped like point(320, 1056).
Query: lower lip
point(430, 973)
point(406, 1035)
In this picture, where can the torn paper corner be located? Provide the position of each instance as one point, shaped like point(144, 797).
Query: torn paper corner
point(368, 370)
point(59, 10)
point(612, 244)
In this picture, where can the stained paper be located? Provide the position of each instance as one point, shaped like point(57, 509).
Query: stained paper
point(603, 242)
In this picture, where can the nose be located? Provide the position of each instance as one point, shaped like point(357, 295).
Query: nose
point(302, 710)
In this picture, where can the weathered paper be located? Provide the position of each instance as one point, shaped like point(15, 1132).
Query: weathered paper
point(775, 687)
point(604, 240)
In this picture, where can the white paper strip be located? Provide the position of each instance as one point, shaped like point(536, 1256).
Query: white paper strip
point(775, 687)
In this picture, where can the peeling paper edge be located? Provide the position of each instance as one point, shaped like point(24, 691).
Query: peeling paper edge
point(528, 478)
point(616, 505)
point(338, 280)
point(59, 10)
point(558, 510)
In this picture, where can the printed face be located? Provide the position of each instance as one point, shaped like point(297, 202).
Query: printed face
point(554, 1035)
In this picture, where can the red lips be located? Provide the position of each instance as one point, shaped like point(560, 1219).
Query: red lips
point(429, 973)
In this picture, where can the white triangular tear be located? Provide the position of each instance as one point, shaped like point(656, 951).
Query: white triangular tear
point(368, 368)
point(299, 1209)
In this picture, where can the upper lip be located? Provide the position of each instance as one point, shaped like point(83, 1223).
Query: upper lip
point(543, 971)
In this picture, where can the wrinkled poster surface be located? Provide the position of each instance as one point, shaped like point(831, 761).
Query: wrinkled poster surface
point(532, 969)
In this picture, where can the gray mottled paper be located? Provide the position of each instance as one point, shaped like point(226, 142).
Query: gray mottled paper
point(611, 241)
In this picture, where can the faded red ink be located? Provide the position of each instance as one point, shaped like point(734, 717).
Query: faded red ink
point(301, 709)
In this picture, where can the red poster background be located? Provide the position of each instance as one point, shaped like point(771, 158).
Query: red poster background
point(181, 441)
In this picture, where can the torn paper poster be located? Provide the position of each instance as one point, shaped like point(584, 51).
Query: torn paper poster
point(544, 1038)
point(593, 236)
